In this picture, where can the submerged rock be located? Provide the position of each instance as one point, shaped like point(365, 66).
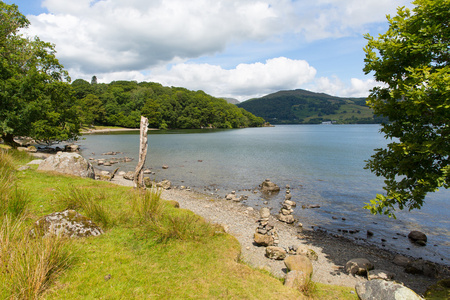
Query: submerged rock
point(269, 187)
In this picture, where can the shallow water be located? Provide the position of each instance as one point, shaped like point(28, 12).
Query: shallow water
point(323, 164)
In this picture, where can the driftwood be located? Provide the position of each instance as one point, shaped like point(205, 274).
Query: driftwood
point(139, 172)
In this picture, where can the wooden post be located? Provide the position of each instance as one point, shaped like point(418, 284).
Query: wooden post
point(139, 172)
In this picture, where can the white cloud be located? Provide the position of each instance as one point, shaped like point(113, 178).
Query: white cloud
point(243, 82)
point(334, 86)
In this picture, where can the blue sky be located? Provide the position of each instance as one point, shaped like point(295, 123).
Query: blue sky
point(228, 48)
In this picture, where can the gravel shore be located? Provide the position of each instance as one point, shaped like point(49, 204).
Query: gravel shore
point(333, 253)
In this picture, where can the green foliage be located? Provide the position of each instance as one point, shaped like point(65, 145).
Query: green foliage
point(123, 102)
point(412, 60)
point(304, 107)
point(35, 98)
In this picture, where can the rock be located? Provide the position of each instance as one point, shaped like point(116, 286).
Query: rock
point(264, 212)
point(286, 218)
point(422, 267)
point(358, 266)
point(380, 274)
point(299, 263)
point(129, 175)
point(23, 168)
point(68, 163)
point(165, 167)
point(121, 173)
point(68, 223)
point(269, 187)
point(401, 260)
point(418, 237)
point(31, 149)
point(381, 289)
point(276, 253)
point(71, 148)
point(165, 184)
point(296, 279)
point(440, 290)
point(147, 171)
point(309, 253)
point(291, 203)
point(263, 239)
point(35, 162)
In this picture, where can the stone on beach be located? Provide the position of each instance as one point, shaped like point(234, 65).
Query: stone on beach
point(358, 266)
point(380, 274)
point(418, 237)
point(276, 253)
point(299, 263)
point(296, 279)
point(269, 187)
point(382, 289)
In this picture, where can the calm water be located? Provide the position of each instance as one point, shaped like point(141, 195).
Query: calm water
point(323, 164)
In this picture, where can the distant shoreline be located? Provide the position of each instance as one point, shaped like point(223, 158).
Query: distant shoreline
point(106, 130)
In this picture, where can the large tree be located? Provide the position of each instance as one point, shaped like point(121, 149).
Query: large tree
point(412, 61)
point(35, 96)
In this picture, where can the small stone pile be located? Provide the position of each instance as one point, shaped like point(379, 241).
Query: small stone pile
point(286, 210)
point(266, 234)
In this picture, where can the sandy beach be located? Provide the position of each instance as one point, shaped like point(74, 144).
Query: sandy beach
point(333, 253)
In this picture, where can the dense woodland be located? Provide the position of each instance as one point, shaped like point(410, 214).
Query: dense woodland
point(304, 107)
point(121, 103)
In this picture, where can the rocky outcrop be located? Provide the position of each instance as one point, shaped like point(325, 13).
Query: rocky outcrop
point(265, 234)
point(67, 223)
point(382, 289)
point(269, 187)
point(358, 266)
point(68, 163)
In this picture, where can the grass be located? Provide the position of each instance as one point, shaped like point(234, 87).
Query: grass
point(150, 249)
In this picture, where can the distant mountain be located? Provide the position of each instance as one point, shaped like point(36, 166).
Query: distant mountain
point(305, 107)
point(231, 100)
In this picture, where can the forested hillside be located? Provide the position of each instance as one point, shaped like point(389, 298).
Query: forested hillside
point(304, 107)
point(121, 103)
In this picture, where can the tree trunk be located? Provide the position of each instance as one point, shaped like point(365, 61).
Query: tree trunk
point(8, 139)
point(139, 172)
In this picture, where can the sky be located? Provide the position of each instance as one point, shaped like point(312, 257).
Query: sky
point(240, 49)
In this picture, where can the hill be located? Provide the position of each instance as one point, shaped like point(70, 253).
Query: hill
point(121, 103)
point(231, 100)
point(305, 107)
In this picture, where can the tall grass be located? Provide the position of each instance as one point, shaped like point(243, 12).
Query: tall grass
point(27, 265)
point(163, 225)
point(89, 202)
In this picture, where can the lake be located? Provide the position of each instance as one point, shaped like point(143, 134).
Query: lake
point(323, 164)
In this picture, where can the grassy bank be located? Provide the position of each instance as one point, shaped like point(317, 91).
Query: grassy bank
point(150, 249)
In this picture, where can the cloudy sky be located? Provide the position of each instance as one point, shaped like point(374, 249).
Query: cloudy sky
point(227, 48)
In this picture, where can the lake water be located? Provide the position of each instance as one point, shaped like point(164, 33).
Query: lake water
point(323, 164)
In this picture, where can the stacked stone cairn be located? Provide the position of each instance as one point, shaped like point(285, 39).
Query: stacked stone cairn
point(286, 210)
point(265, 234)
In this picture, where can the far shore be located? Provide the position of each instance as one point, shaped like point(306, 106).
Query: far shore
point(105, 130)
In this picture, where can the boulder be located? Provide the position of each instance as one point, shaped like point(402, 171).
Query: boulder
point(418, 237)
point(68, 163)
point(165, 184)
point(269, 187)
point(382, 289)
point(309, 253)
point(380, 274)
point(358, 266)
point(129, 175)
point(276, 253)
point(299, 263)
point(422, 267)
point(67, 223)
point(401, 260)
point(35, 162)
point(263, 239)
point(71, 148)
point(296, 279)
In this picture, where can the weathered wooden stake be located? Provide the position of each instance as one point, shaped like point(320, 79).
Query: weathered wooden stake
point(139, 172)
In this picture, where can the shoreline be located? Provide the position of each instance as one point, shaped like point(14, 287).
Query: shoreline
point(240, 221)
point(106, 130)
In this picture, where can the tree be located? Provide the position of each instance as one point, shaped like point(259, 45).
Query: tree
point(35, 97)
point(412, 61)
